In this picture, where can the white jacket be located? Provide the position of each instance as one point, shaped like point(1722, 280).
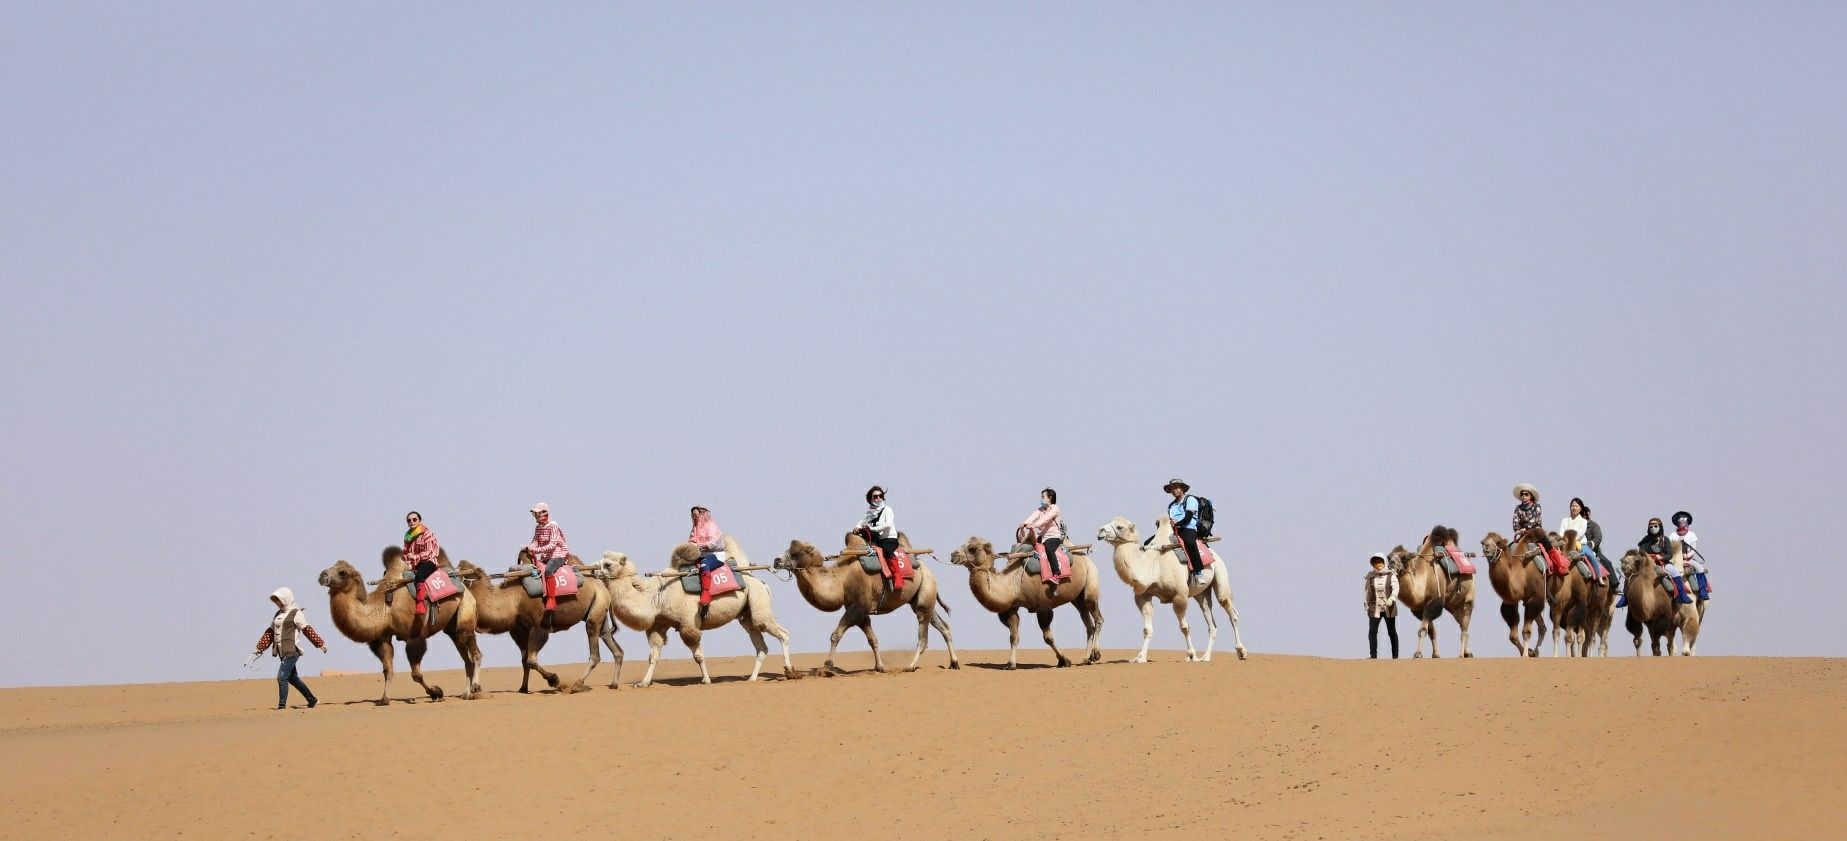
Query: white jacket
point(881, 521)
point(1381, 593)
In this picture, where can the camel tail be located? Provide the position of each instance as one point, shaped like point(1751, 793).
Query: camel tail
point(944, 604)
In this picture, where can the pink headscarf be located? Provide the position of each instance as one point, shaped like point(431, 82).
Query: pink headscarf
point(705, 530)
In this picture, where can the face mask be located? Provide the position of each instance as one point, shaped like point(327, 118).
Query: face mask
point(1654, 529)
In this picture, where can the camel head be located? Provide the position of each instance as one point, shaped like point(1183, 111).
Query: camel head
point(975, 554)
point(617, 565)
point(1493, 546)
point(1118, 532)
point(525, 557)
point(801, 555)
point(1397, 559)
point(341, 576)
point(469, 572)
point(1632, 562)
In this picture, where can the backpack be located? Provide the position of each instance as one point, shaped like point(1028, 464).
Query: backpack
point(1203, 522)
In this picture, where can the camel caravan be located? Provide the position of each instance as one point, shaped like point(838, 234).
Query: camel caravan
point(1560, 576)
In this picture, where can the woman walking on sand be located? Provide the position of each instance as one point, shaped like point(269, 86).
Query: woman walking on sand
point(283, 626)
point(1381, 604)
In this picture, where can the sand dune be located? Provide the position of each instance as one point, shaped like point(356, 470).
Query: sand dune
point(1272, 748)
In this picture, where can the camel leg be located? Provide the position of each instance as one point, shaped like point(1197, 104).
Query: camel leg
point(763, 650)
point(1145, 603)
point(942, 627)
point(656, 639)
point(1231, 615)
point(1511, 613)
point(1091, 611)
point(615, 653)
point(1186, 630)
point(535, 642)
point(413, 651)
point(872, 639)
point(775, 629)
point(1212, 626)
point(1462, 616)
point(833, 640)
point(591, 634)
point(693, 639)
point(923, 636)
point(1536, 615)
point(471, 659)
point(382, 650)
point(1010, 618)
point(1045, 631)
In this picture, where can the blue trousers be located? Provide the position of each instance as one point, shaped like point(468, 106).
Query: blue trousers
point(286, 677)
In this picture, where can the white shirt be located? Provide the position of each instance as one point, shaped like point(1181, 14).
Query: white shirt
point(1581, 525)
point(881, 521)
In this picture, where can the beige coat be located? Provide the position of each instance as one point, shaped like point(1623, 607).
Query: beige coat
point(1381, 593)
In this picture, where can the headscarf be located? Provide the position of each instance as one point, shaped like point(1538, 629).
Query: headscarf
point(287, 598)
point(1651, 542)
point(705, 530)
point(410, 535)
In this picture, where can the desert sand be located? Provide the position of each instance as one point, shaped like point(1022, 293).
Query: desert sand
point(1277, 747)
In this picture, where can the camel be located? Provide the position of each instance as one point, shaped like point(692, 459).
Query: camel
point(1599, 616)
point(365, 618)
point(1569, 597)
point(1009, 590)
point(847, 586)
point(656, 604)
point(1427, 589)
point(1157, 573)
point(1521, 586)
point(506, 609)
point(1655, 609)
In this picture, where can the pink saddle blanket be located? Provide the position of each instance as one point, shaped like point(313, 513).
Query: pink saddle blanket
point(1045, 569)
point(1462, 562)
point(717, 582)
point(439, 586)
point(563, 582)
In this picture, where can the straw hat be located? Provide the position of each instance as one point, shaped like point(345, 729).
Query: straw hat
point(1528, 488)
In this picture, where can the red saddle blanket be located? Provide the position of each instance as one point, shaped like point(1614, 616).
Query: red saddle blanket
point(562, 583)
point(899, 567)
point(717, 582)
point(1045, 569)
point(1556, 563)
point(1462, 562)
point(439, 586)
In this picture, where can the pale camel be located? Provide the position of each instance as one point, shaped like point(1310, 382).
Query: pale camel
point(1521, 585)
point(847, 586)
point(1158, 573)
point(365, 618)
point(1568, 596)
point(1427, 589)
point(656, 604)
point(505, 608)
point(1655, 608)
point(1012, 589)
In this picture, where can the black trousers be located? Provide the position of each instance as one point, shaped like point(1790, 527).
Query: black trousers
point(1189, 539)
point(423, 572)
point(889, 545)
point(1372, 634)
point(1051, 554)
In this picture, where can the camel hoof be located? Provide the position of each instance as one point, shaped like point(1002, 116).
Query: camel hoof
point(1435, 656)
point(1063, 662)
point(382, 702)
point(1139, 658)
point(705, 680)
point(1533, 653)
point(436, 693)
point(552, 680)
point(1418, 655)
point(1205, 658)
point(1012, 666)
point(1466, 655)
point(955, 665)
point(1240, 654)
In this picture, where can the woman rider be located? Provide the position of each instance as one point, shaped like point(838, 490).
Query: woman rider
point(1047, 528)
point(1655, 545)
point(549, 552)
point(879, 525)
point(1527, 516)
point(420, 551)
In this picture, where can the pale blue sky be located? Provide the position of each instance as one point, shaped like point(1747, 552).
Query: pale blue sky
point(275, 275)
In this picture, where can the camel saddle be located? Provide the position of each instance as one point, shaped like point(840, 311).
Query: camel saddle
point(564, 581)
point(439, 586)
point(898, 568)
point(717, 580)
point(1456, 563)
point(1036, 565)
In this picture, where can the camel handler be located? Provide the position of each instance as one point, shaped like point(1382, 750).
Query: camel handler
point(283, 626)
point(549, 551)
point(420, 551)
point(1183, 512)
point(1381, 603)
point(879, 526)
point(1046, 527)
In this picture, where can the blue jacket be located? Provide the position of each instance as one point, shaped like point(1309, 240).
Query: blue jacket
point(1184, 513)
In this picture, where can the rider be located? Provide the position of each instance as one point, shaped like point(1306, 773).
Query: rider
point(1655, 545)
point(420, 551)
point(1689, 551)
point(1527, 516)
point(1183, 512)
point(1576, 520)
point(1047, 528)
point(879, 526)
point(1593, 534)
point(549, 552)
point(710, 539)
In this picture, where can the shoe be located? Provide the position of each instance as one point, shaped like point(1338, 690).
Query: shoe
point(282, 706)
point(312, 702)
point(1622, 600)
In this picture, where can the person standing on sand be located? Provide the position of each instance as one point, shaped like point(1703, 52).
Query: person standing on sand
point(549, 552)
point(288, 621)
point(1381, 604)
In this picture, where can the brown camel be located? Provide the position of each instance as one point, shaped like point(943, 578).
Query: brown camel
point(1569, 596)
point(1654, 608)
point(1521, 584)
point(1598, 618)
point(505, 608)
point(1427, 589)
point(365, 618)
point(846, 585)
point(1011, 589)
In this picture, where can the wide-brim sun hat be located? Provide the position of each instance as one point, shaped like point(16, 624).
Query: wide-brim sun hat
point(1176, 483)
point(1528, 488)
point(1681, 515)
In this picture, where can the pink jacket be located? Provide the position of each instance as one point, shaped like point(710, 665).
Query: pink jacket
point(1046, 523)
point(548, 541)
